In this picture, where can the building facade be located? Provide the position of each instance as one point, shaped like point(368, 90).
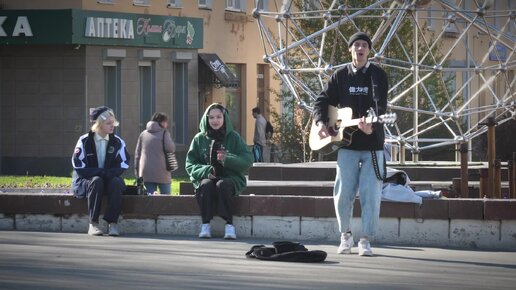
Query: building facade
point(60, 59)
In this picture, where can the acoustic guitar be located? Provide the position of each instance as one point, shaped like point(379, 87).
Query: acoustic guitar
point(341, 127)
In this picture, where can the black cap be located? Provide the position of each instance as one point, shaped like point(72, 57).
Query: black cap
point(361, 36)
point(97, 112)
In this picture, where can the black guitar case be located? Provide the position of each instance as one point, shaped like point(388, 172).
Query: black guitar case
point(286, 251)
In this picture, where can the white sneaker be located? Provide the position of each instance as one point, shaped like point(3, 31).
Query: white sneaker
point(94, 230)
point(230, 232)
point(205, 231)
point(113, 230)
point(346, 243)
point(364, 248)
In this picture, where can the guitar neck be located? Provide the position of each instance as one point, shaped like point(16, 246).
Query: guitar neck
point(354, 122)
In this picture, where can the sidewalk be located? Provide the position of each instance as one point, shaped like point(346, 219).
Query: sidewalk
point(43, 260)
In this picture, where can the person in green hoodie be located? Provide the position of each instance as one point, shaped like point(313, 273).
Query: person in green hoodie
point(217, 162)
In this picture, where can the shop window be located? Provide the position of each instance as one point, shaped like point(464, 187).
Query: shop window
point(147, 75)
point(180, 102)
point(112, 87)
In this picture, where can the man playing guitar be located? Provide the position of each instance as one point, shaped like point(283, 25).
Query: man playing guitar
point(359, 85)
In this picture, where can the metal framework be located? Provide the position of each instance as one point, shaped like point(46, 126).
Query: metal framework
point(487, 78)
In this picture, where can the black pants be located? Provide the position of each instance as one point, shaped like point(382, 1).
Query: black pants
point(216, 195)
point(113, 188)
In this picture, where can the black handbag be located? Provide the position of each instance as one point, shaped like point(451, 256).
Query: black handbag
point(170, 157)
point(136, 189)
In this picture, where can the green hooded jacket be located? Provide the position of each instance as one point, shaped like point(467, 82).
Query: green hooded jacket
point(238, 156)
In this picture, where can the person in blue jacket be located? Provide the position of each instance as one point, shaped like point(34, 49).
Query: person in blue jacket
point(100, 157)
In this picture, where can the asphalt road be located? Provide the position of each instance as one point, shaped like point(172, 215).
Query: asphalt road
point(42, 260)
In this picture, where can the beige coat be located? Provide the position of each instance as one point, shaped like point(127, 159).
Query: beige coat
point(149, 159)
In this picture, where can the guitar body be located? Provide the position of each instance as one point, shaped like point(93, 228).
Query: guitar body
point(341, 127)
point(339, 133)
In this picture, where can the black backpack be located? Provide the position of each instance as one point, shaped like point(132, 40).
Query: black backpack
point(269, 130)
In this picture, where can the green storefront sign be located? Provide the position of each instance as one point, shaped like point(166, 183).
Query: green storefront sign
point(99, 28)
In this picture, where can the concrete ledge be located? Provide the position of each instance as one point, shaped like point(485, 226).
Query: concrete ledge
point(487, 224)
point(301, 188)
point(262, 205)
point(474, 234)
point(499, 209)
point(325, 170)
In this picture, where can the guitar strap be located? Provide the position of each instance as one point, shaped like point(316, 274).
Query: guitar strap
point(377, 168)
point(374, 94)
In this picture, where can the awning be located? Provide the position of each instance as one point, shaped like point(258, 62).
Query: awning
point(222, 75)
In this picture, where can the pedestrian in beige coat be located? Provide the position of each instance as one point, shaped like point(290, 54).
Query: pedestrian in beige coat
point(149, 155)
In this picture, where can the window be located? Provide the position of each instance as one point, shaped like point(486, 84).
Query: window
point(147, 75)
point(465, 93)
point(236, 5)
point(450, 79)
point(430, 24)
point(262, 89)
point(180, 102)
point(106, 1)
point(309, 5)
point(450, 25)
point(233, 4)
point(233, 98)
point(205, 4)
point(174, 3)
point(262, 5)
point(112, 87)
point(141, 2)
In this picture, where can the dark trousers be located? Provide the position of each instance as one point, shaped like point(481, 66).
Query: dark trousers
point(112, 188)
point(216, 195)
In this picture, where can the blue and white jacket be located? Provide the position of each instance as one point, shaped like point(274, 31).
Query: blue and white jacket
point(85, 164)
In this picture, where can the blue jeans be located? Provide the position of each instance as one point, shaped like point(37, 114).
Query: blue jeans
point(258, 152)
point(356, 174)
point(164, 188)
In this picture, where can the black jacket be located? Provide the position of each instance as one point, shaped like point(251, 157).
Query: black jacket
point(85, 164)
point(354, 89)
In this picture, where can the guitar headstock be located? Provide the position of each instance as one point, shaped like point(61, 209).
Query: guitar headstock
point(388, 118)
point(371, 113)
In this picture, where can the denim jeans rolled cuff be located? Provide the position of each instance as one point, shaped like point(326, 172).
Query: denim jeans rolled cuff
point(356, 174)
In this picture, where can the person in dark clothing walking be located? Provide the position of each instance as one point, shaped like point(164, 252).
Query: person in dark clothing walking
point(100, 157)
point(359, 85)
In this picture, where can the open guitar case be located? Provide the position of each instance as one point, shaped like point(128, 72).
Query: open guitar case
point(286, 251)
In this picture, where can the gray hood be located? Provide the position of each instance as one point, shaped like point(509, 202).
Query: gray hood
point(153, 126)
